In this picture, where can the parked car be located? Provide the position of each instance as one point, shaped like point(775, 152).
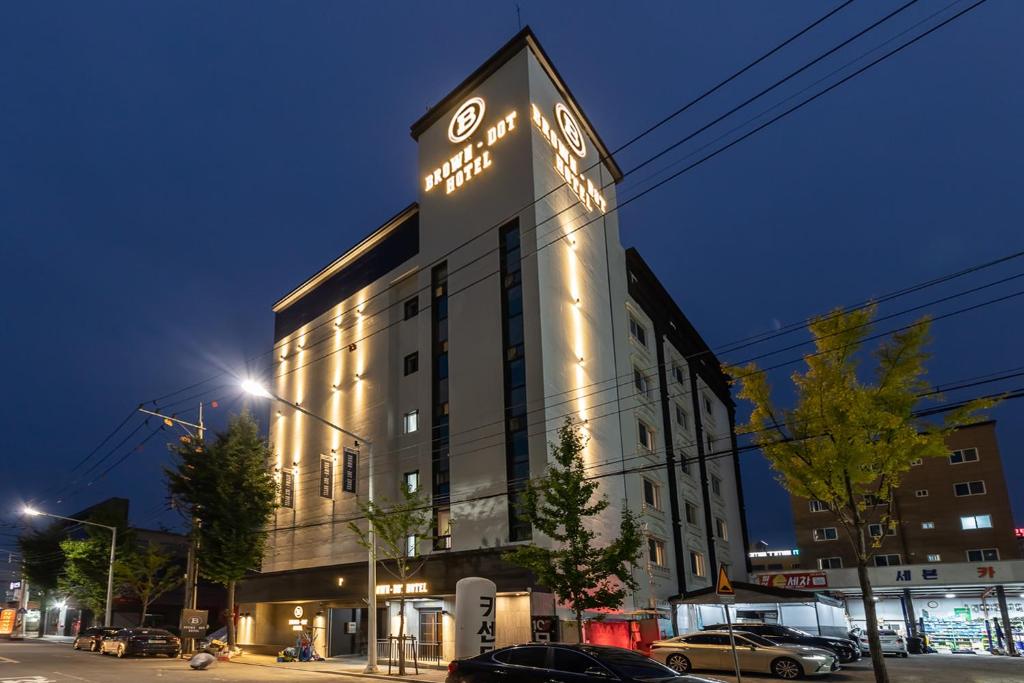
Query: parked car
point(892, 642)
point(712, 650)
point(846, 649)
point(90, 638)
point(558, 663)
point(141, 641)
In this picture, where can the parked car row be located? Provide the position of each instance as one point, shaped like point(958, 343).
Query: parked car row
point(892, 642)
point(124, 642)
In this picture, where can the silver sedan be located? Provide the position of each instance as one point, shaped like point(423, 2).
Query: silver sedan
point(711, 650)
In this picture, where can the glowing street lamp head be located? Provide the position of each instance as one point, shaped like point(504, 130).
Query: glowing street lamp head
point(255, 388)
point(30, 511)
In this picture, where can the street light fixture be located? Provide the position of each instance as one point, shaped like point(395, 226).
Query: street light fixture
point(254, 388)
point(107, 619)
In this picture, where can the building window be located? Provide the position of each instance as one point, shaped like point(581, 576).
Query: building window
point(927, 525)
point(708, 447)
point(637, 331)
point(682, 417)
point(916, 462)
point(983, 555)
point(684, 462)
point(872, 500)
point(697, 563)
point(412, 481)
point(962, 456)
point(411, 421)
point(656, 551)
point(412, 362)
point(645, 436)
point(817, 505)
point(652, 494)
point(412, 307)
point(827, 533)
point(976, 522)
point(830, 563)
point(708, 408)
point(440, 443)
point(643, 386)
point(721, 529)
point(691, 513)
point(875, 530)
point(716, 485)
point(443, 524)
point(410, 546)
point(887, 560)
point(921, 493)
point(677, 372)
point(969, 488)
point(934, 557)
point(431, 626)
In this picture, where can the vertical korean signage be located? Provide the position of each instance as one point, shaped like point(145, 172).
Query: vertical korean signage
point(327, 477)
point(287, 489)
point(350, 458)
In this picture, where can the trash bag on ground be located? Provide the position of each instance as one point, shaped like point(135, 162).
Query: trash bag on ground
point(202, 660)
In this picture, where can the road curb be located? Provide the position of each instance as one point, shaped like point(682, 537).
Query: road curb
point(352, 674)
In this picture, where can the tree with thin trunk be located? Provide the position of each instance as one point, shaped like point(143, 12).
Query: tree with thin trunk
point(145, 574)
point(562, 506)
point(227, 487)
point(852, 434)
point(42, 562)
point(398, 528)
point(86, 569)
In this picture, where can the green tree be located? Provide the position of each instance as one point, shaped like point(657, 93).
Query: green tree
point(398, 527)
point(42, 562)
point(145, 574)
point(87, 560)
point(559, 505)
point(228, 488)
point(851, 436)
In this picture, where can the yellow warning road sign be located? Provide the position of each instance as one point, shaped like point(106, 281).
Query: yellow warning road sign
point(724, 586)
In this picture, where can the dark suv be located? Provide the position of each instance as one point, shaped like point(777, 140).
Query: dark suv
point(845, 649)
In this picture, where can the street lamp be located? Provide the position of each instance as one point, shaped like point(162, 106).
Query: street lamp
point(107, 619)
point(256, 389)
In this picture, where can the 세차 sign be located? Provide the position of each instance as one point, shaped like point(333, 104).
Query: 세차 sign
point(795, 580)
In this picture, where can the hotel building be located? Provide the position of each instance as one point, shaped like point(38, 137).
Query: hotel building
point(457, 337)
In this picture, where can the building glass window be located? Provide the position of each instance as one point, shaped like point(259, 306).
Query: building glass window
point(652, 494)
point(412, 307)
point(440, 445)
point(817, 505)
point(830, 563)
point(921, 493)
point(976, 522)
point(934, 557)
point(887, 560)
point(916, 462)
point(656, 551)
point(637, 331)
point(983, 555)
point(828, 533)
point(716, 485)
point(709, 409)
point(431, 626)
point(969, 488)
point(645, 436)
point(412, 481)
point(876, 530)
point(412, 363)
point(682, 417)
point(927, 525)
point(517, 443)
point(410, 546)
point(443, 524)
point(721, 529)
point(691, 513)
point(643, 386)
point(962, 456)
point(697, 563)
point(677, 372)
point(411, 421)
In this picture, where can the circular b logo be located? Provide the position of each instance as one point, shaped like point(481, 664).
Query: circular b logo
point(571, 130)
point(466, 119)
point(297, 611)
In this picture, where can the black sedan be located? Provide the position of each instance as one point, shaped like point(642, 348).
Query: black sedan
point(90, 638)
point(845, 649)
point(141, 641)
point(558, 663)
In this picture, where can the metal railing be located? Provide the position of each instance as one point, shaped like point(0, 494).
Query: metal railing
point(388, 649)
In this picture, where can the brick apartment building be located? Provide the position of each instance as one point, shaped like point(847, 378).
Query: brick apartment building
point(952, 509)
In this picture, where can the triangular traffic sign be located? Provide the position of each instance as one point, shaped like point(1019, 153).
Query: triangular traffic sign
point(724, 586)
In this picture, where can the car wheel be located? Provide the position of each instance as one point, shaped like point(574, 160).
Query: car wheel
point(76, 645)
point(787, 668)
point(121, 651)
point(679, 663)
point(94, 646)
point(904, 654)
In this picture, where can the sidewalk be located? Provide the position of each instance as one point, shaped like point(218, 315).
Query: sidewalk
point(345, 667)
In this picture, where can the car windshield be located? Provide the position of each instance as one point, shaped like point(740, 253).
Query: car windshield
point(757, 640)
point(631, 664)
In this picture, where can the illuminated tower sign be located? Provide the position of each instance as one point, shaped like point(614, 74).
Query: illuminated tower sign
point(473, 158)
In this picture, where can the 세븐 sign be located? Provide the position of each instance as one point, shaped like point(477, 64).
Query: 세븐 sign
point(473, 159)
point(565, 162)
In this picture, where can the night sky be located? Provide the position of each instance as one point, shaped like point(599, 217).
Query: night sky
point(169, 170)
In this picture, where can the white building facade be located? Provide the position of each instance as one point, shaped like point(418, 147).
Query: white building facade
point(457, 338)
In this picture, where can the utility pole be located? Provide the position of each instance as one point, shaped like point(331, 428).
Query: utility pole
point(192, 563)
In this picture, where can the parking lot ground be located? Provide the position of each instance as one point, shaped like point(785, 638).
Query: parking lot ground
point(934, 668)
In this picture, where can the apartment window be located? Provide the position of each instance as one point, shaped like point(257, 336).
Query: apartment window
point(962, 456)
point(691, 513)
point(645, 435)
point(721, 529)
point(921, 493)
point(412, 481)
point(872, 500)
point(411, 421)
point(643, 386)
point(708, 408)
point(830, 563)
point(876, 530)
point(976, 522)
point(708, 448)
point(927, 525)
point(412, 363)
point(652, 494)
point(656, 551)
point(827, 533)
point(887, 560)
point(682, 417)
point(677, 372)
point(817, 505)
point(697, 563)
point(716, 485)
point(969, 488)
point(410, 546)
point(638, 331)
point(916, 462)
point(443, 522)
point(983, 555)
point(412, 307)
point(440, 447)
point(934, 557)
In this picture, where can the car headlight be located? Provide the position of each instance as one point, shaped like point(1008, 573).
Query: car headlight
point(817, 658)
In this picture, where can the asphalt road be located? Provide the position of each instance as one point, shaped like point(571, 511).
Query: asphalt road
point(45, 662)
